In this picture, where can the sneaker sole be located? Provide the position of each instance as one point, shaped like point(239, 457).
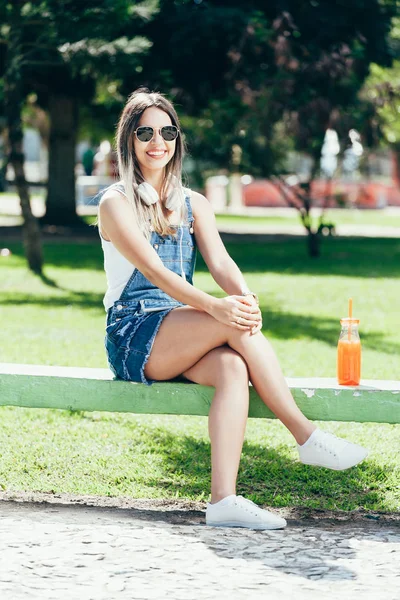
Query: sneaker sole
point(335, 468)
point(245, 525)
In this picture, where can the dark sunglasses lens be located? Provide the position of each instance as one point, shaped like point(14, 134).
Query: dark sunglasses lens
point(169, 133)
point(144, 134)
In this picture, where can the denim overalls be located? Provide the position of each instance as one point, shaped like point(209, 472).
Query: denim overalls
point(135, 318)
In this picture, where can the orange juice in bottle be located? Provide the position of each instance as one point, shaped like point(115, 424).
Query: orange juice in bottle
point(349, 351)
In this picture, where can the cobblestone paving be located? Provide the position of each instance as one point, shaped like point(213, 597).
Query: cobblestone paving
point(55, 551)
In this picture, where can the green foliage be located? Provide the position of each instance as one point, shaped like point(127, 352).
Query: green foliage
point(382, 89)
point(264, 76)
point(236, 70)
point(67, 45)
point(379, 99)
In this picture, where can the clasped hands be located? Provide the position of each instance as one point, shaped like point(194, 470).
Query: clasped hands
point(241, 312)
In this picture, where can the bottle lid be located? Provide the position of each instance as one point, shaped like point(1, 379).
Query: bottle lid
point(349, 321)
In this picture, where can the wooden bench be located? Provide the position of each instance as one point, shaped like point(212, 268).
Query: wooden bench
point(74, 388)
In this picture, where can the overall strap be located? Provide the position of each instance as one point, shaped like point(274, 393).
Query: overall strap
point(117, 186)
point(189, 206)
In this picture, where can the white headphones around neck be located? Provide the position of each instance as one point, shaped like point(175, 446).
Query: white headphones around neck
point(175, 198)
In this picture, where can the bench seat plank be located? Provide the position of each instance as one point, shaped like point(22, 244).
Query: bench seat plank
point(76, 388)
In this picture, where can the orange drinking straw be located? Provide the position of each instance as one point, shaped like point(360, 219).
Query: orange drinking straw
point(350, 316)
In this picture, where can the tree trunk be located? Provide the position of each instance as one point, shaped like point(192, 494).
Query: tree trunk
point(313, 243)
point(61, 203)
point(396, 164)
point(13, 100)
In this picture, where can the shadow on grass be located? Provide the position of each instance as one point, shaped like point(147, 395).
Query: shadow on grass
point(271, 479)
point(266, 476)
point(87, 300)
point(65, 255)
point(280, 325)
point(50, 282)
point(289, 326)
point(352, 257)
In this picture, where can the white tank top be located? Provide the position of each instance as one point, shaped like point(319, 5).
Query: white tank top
point(118, 270)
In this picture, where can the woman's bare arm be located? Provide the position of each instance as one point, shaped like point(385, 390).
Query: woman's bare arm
point(222, 267)
point(119, 225)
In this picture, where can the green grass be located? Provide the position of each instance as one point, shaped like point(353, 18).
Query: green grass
point(61, 322)
point(335, 216)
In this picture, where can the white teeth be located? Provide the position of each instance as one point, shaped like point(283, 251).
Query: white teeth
point(156, 153)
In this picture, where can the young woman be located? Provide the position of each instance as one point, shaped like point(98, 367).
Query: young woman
point(159, 326)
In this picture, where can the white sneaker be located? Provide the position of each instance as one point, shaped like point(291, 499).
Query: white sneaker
point(236, 511)
point(324, 449)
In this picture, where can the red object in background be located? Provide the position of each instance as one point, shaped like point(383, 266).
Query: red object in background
point(262, 192)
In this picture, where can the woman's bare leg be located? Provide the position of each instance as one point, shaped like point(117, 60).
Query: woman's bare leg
point(226, 370)
point(187, 334)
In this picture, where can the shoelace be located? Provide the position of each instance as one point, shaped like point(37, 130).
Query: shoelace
point(253, 504)
point(328, 443)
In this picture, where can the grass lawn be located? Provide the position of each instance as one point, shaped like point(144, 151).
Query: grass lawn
point(61, 322)
point(336, 216)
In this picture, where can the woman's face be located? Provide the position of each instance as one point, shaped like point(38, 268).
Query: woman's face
point(156, 153)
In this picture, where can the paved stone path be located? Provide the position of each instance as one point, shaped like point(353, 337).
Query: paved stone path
point(55, 551)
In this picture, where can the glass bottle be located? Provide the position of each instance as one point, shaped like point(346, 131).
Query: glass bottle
point(349, 353)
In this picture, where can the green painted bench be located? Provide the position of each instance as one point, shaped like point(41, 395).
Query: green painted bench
point(74, 388)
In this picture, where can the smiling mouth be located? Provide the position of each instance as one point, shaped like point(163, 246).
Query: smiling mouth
point(156, 153)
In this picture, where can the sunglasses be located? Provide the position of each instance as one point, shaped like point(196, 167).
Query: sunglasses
point(169, 133)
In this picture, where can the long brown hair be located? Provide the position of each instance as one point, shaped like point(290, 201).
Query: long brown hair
point(129, 168)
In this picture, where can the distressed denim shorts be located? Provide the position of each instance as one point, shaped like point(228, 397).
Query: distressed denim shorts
point(129, 340)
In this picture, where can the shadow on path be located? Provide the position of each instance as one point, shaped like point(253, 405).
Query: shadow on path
point(323, 551)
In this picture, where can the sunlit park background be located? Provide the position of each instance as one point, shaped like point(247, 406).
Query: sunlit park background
point(291, 116)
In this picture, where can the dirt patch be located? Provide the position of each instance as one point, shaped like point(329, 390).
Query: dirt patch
point(180, 511)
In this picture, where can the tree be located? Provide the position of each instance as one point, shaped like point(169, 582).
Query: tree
point(88, 43)
point(244, 74)
point(262, 72)
point(223, 39)
point(380, 97)
point(13, 101)
point(323, 75)
point(65, 47)
point(298, 62)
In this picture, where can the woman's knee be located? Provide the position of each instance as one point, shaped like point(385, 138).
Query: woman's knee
point(239, 340)
point(231, 364)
